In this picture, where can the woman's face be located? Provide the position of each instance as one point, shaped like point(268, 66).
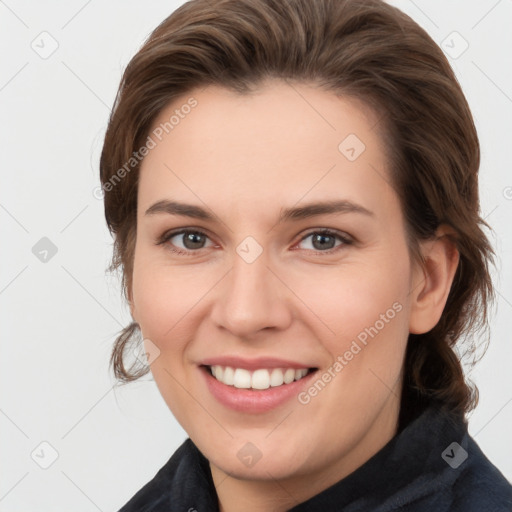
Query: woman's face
point(256, 287)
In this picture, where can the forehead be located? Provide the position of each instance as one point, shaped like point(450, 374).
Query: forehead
point(276, 145)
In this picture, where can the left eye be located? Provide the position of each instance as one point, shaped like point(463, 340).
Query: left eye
point(190, 239)
point(325, 241)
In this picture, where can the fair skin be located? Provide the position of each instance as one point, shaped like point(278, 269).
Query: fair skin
point(244, 159)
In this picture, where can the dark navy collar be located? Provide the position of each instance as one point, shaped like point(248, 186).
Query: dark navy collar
point(431, 464)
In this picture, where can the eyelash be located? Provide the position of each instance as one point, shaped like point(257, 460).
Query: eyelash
point(325, 232)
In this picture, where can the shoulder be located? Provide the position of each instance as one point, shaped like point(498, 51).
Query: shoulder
point(448, 472)
point(480, 485)
point(183, 483)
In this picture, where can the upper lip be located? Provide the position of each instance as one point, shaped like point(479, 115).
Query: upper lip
point(253, 364)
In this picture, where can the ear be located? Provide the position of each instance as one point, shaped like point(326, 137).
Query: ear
point(432, 281)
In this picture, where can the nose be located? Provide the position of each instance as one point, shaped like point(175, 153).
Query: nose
point(251, 298)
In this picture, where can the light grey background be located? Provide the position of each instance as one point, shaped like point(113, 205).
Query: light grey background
point(59, 318)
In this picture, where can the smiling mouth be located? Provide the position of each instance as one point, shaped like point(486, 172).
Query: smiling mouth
point(259, 379)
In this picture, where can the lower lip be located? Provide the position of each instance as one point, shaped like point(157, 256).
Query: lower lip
point(250, 400)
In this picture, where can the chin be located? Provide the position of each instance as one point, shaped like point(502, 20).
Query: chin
point(274, 468)
point(260, 459)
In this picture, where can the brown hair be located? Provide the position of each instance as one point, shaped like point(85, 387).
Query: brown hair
point(366, 50)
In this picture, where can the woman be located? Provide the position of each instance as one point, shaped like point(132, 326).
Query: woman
point(292, 188)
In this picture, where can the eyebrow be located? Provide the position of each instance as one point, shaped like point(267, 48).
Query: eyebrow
point(293, 213)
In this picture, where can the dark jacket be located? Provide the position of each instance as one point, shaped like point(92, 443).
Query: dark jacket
point(432, 465)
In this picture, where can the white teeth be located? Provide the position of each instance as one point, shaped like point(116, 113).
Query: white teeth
point(242, 378)
point(259, 379)
point(300, 373)
point(229, 375)
point(289, 375)
point(218, 372)
point(276, 377)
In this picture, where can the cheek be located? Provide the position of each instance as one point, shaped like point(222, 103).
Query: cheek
point(353, 297)
point(368, 312)
point(365, 308)
point(157, 296)
point(168, 298)
point(164, 300)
